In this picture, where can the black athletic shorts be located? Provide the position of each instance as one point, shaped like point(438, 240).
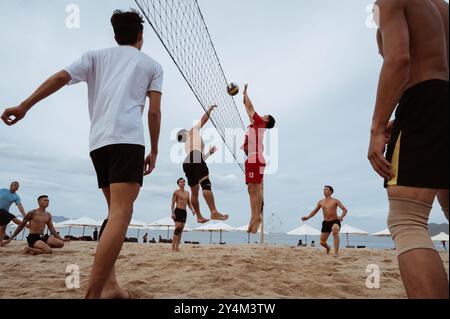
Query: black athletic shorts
point(419, 146)
point(180, 215)
point(119, 163)
point(327, 227)
point(5, 217)
point(33, 238)
point(195, 168)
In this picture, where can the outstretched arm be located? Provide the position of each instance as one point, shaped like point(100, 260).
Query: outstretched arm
point(205, 118)
point(19, 228)
point(212, 150)
point(14, 114)
point(344, 210)
point(248, 104)
point(313, 213)
point(393, 38)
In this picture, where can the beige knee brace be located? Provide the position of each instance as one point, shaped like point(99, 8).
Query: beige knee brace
point(445, 210)
point(408, 224)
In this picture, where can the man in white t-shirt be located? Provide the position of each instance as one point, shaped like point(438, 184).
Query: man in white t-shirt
point(119, 79)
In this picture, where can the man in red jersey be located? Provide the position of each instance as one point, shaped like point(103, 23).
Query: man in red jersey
point(255, 164)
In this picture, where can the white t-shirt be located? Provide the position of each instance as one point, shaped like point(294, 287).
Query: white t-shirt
point(118, 80)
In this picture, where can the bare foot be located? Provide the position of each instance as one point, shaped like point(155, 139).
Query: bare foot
point(255, 223)
point(219, 216)
point(202, 220)
point(328, 250)
point(32, 251)
point(115, 293)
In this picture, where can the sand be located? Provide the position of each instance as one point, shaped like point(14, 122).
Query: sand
point(205, 271)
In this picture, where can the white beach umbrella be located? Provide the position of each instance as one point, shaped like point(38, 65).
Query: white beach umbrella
point(349, 230)
point(165, 222)
point(383, 233)
point(440, 237)
point(305, 230)
point(212, 227)
point(245, 229)
point(82, 222)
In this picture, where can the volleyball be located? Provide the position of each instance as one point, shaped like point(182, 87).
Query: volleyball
point(233, 89)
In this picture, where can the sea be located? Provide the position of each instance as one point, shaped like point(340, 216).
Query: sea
point(238, 238)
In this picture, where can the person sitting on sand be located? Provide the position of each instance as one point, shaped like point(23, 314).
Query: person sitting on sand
point(332, 222)
point(38, 219)
point(196, 170)
point(180, 200)
point(7, 198)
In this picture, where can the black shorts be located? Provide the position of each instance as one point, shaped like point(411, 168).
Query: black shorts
point(5, 217)
point(419, 146)
point(119, 163)
point(180, 216)
point(33, 238)
point(327, 227)
point(195, 168)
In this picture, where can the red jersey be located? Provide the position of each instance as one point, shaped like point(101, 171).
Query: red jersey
point(254, 139)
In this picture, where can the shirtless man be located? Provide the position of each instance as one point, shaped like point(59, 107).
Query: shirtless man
point(332, 222)
point(180, 200)
point(7, 198)
point(196, 170)
point(37, 242)
point(413, 41)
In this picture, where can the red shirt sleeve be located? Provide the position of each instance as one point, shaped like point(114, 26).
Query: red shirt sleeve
point(258, 121)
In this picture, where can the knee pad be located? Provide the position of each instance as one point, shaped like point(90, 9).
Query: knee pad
point(206, 185)
point(408, 224)
point(178, 231)
point(445, 210)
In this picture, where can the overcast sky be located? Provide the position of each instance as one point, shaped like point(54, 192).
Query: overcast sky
point(312, 64)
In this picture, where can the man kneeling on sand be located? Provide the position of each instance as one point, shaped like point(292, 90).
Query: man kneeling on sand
point(38, 219)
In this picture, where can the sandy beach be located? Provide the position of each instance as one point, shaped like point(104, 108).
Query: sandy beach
point(235, 272)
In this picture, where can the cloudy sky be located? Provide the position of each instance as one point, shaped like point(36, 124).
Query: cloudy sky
point(312, 64)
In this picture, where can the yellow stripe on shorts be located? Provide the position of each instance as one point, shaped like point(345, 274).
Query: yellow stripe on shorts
point(396, 161)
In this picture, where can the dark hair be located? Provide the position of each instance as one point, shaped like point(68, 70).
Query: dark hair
point(127, 26)
point(179, 180)
point(41, 197)
point(271, 123)
point(330, 188)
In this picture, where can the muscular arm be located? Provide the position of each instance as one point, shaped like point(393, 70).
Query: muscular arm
point(344, 210)
point(21, 210)
point(154, 118)
point(205, 118)
point(50, 86)
point(248, 104)
point(19, 228)
point(394, 45)
point(154, 126)
point(174, 200)
point(52, 229)
point(313, 213)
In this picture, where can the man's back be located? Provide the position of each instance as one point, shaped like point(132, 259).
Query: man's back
point(428, 32)
point(118, 81)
